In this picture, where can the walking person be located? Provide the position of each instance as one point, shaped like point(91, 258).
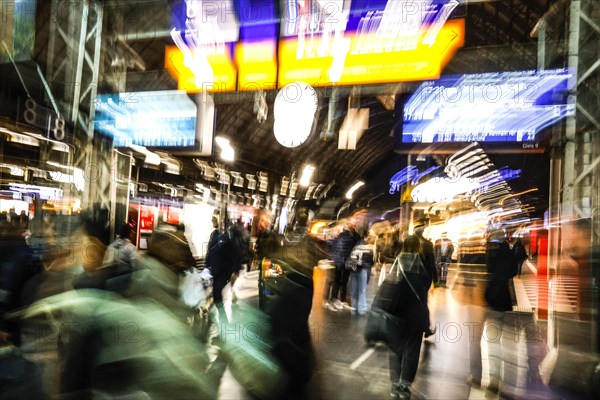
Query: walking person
point(501, 266)
point(405, 343)
point(238, 245)
point(212, 241)
point(343, 245)
point(220, 262)
point(122, 254)
point(391, 248)
point(446, 248)
point(362, 259)
point(520, 255)
point(429, 263)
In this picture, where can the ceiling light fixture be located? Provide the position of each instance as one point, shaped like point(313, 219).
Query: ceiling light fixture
point(307, 174)
point(227, 152)
point(354, 187)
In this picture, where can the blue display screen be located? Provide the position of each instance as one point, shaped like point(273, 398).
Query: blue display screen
point(361, 15)
point(489, 107)
point(153, 119)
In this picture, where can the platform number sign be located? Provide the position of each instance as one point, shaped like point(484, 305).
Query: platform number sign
point(45, 118)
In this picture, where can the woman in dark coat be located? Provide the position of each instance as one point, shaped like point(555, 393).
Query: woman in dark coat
point(405, 347)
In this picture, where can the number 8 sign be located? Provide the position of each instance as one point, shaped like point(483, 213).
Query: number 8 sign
point(43, 117)
point(59, 128)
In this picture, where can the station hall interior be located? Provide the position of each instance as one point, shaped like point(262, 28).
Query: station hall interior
point(184, 182)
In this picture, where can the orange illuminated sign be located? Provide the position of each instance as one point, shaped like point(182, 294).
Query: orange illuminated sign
point(257, 65)
point(362, 66)
point(222, 65)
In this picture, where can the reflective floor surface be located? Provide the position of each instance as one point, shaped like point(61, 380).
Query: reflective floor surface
point(471, 346)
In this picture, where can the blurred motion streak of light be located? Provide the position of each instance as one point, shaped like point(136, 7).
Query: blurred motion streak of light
point(439, 191)
point(401, 177)
point(501, 202)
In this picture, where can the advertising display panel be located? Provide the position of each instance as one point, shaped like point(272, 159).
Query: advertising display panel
point(204, 34)
point(217, 73)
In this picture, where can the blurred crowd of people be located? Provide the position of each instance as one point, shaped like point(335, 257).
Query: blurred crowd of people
point(79, 318)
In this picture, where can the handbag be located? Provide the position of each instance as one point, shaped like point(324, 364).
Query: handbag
point(351, 264)
point(380, 321)
point(359, 257)
point(382, 325)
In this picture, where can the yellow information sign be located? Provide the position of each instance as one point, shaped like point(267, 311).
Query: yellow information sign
point(368, 60)
point(223, 77)
point(365, 65)
point(257, 65)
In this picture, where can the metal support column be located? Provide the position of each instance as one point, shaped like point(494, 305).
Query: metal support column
point(119, 193)
point(73, 64)
point(72, 71)
point(575, 174)
point(568, 197)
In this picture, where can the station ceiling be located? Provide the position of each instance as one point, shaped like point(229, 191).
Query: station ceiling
point(138, 31)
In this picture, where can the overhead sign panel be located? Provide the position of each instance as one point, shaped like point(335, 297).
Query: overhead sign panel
point(306, 17)
point(490, 107)
point(363, 41)
point(203, 33)
point(364, 67)
point(224, 46)
point(256, 51)
point(154, 119)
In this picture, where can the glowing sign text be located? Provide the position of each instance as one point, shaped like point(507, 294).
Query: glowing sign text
point(507, 106)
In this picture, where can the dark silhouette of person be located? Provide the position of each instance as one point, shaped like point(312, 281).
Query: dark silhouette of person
point(343, 245)
point(501, 267)
point(212, 241)
point(405, 346)
point(520, 255)
point(429, 263)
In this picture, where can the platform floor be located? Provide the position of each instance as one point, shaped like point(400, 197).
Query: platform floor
point(469, 341)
